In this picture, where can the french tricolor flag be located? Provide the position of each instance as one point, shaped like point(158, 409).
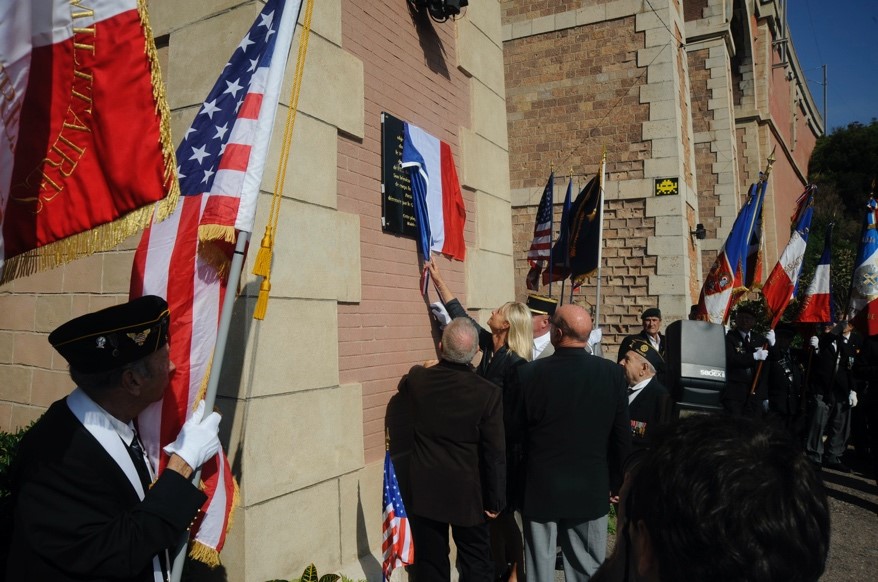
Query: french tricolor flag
point(781, 284)
point(439, 208)
point(817, 304)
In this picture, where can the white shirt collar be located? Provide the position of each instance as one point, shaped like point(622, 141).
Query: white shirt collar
point(635, 390)
point(540, 344)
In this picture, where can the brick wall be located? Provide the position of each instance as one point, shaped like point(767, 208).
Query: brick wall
point(568, 94)
point(32, 374)
point(705, 158)
point(694, 9)
point(410, 71)
point(520, 10)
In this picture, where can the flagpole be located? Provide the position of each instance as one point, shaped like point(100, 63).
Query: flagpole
point(551, 224)
point(216, 367)
point(600, 206)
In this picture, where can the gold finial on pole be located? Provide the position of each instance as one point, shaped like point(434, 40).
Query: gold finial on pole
point(386, 439)
point(769, 163)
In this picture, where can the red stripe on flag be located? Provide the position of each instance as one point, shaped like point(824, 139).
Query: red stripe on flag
point(236, 157)
point(81, 135)
point(250, 107)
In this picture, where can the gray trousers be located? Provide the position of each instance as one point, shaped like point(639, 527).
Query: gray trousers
point(583, 547)
point(835, 421)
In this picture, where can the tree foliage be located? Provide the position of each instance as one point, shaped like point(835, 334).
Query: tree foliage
point(844, 165)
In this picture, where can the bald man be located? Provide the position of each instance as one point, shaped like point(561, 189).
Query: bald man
point(573, 419)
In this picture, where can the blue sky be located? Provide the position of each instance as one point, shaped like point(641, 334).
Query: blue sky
point(843, 35)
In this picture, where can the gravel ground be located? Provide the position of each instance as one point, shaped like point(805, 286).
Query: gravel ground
point(853, 505)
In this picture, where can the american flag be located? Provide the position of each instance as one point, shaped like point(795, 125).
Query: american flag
point(541, 247)
point(221, 159)
point(397, 545)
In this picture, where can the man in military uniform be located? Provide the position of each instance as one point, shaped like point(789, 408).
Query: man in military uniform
point(744, 351)
point(86, 502)
point(835, 394)
point(649, 404)
point(542, 309)
point(783, 380)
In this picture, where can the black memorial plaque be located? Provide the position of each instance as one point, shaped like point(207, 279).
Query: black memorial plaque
point(397, 205)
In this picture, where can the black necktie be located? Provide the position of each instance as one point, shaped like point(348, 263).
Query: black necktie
point(631, 391)
point(135, 451)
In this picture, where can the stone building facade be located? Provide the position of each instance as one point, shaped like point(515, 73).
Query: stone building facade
point(698, 90)
point(305, 393)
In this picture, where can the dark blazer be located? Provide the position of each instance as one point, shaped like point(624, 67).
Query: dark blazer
point(458, 464)
point(76, 515)
point(834, 375)
point(649, 411)
point(574, 422)
point(740, 365)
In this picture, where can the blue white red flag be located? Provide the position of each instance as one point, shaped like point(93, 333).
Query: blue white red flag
point(781, 283)
point(397, 546)
point(438, 201)
point(559, 263)
point(221, 159)
point(727, 277)
point(541, 245)
point(863, 304)
point(817, 303)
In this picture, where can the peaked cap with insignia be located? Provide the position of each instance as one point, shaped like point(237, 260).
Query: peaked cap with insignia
point(115, 336)
point(542, 305)
point(646, 350)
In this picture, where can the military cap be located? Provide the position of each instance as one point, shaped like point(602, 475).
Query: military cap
point(645, 349)
point(115, 336)
point(541, 304)
point(652, 312)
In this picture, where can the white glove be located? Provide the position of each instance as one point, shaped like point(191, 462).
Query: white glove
point(852, 398)
point(769, 336)
point(440, 314)
point(760, 354)
point(595, 336)
point(198, 440)
point(815, 343)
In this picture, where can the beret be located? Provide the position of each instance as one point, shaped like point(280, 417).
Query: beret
point(652, 312)
point(110, 338)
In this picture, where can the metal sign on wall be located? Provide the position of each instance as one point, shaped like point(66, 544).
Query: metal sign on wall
point(397, 204)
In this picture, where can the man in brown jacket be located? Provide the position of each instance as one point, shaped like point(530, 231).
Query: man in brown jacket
point(458, 465)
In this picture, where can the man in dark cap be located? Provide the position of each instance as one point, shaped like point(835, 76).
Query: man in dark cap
point(649, 403)
point(542, 309)
point(86, 502)
point(652, 322)
point(744, 351)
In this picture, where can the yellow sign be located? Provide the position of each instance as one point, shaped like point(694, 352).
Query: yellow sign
point(666, 186)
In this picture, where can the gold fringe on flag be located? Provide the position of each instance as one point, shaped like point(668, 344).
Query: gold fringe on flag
point(266, 250)
point(206, 554)
point(111, 234)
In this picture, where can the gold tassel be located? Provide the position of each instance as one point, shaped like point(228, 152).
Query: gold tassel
point(263, 258)
point(262, 301)
point(205, 554)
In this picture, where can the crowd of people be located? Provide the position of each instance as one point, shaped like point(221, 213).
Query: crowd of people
point(730, 495)
point(522, 440)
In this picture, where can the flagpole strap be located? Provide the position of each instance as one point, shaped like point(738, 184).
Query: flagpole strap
point(262, 266)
